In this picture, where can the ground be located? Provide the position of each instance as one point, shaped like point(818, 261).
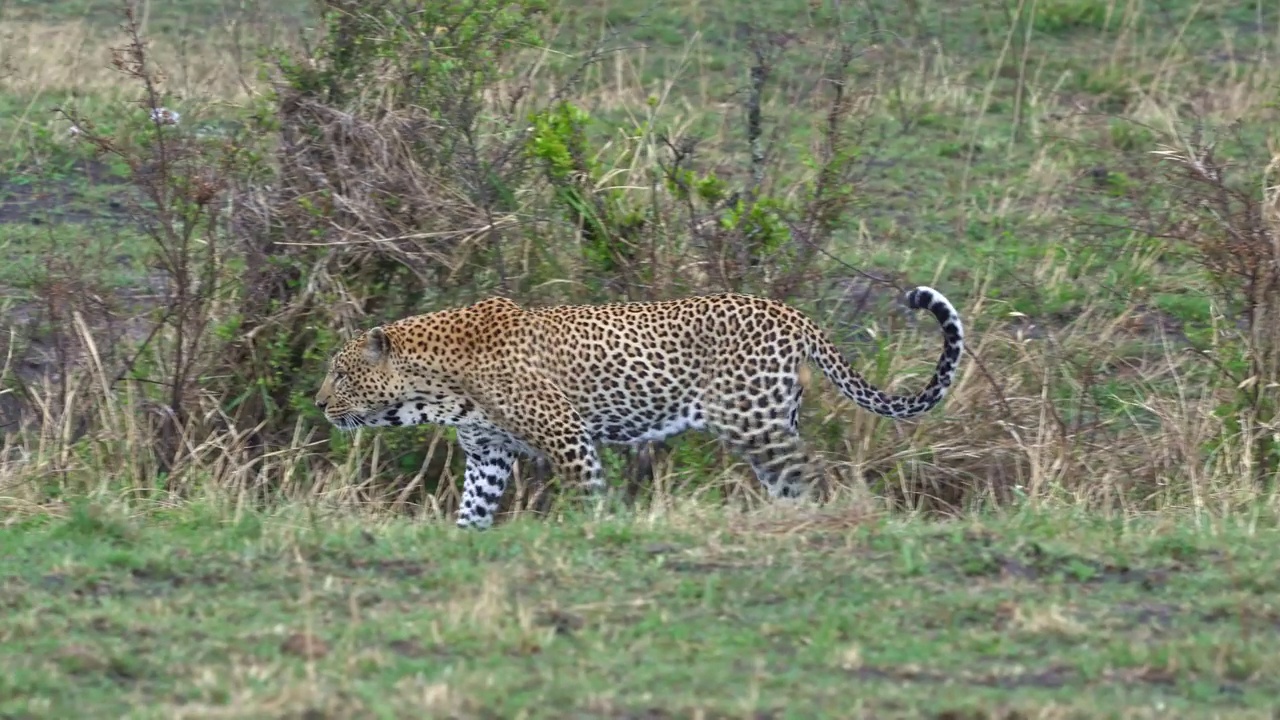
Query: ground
point(198, 612)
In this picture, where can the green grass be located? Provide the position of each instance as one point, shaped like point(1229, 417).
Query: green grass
point(192, 612)
point(969, 165)
point(973, 164)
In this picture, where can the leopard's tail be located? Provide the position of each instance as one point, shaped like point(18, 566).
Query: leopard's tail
point(855, 387)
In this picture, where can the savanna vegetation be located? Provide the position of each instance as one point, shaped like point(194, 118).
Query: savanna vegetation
point(200, 199)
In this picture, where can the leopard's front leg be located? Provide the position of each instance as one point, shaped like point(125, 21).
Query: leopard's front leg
point(490, 456)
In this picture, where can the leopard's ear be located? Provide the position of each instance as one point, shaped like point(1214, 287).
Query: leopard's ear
point(376, 346)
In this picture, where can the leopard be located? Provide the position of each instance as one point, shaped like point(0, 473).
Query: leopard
point(552, 383)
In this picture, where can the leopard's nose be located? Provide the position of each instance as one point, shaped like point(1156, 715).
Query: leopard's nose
point(322, 404)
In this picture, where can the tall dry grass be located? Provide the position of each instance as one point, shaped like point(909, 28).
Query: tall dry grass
point(1029, 418)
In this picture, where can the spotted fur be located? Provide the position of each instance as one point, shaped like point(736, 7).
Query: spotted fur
point(553, 381)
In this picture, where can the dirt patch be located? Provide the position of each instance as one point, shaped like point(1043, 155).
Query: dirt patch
point(15, 595)
point(64, 201)
point(979, 715)
point(765, 600)
point(152, 577)
point(107, 625)
point(79, 658)
point(398, 567)
point(661, 549)
point(644, 714)
point(347, 559)
point(119, 319)
point(413, 648)
point(1031, 561)
point(82, 659)
point(1246, 615)
point(1160, 615)
point(305, 646)
point(144, 581)
point(657, 713)
point(565, 623)
point(702, 568)
point(96, 589)
point(1052, 677)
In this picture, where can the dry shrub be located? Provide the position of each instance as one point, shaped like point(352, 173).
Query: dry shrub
point(394, 195)
point(1209, 205)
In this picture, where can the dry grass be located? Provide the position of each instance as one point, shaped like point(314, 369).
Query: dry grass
point(1102, 404)
point(74, 58)
point(1005, 434)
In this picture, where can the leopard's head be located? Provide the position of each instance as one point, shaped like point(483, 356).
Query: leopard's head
point(373, 382)
point(361, 383)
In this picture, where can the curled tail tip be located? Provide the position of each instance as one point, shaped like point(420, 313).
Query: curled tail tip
point(924, 296)
point(927, 298)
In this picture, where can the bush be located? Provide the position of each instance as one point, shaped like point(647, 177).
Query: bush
point(414, 159)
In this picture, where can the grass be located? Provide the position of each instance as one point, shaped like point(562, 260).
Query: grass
point(981, 124)
point(692, 613)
